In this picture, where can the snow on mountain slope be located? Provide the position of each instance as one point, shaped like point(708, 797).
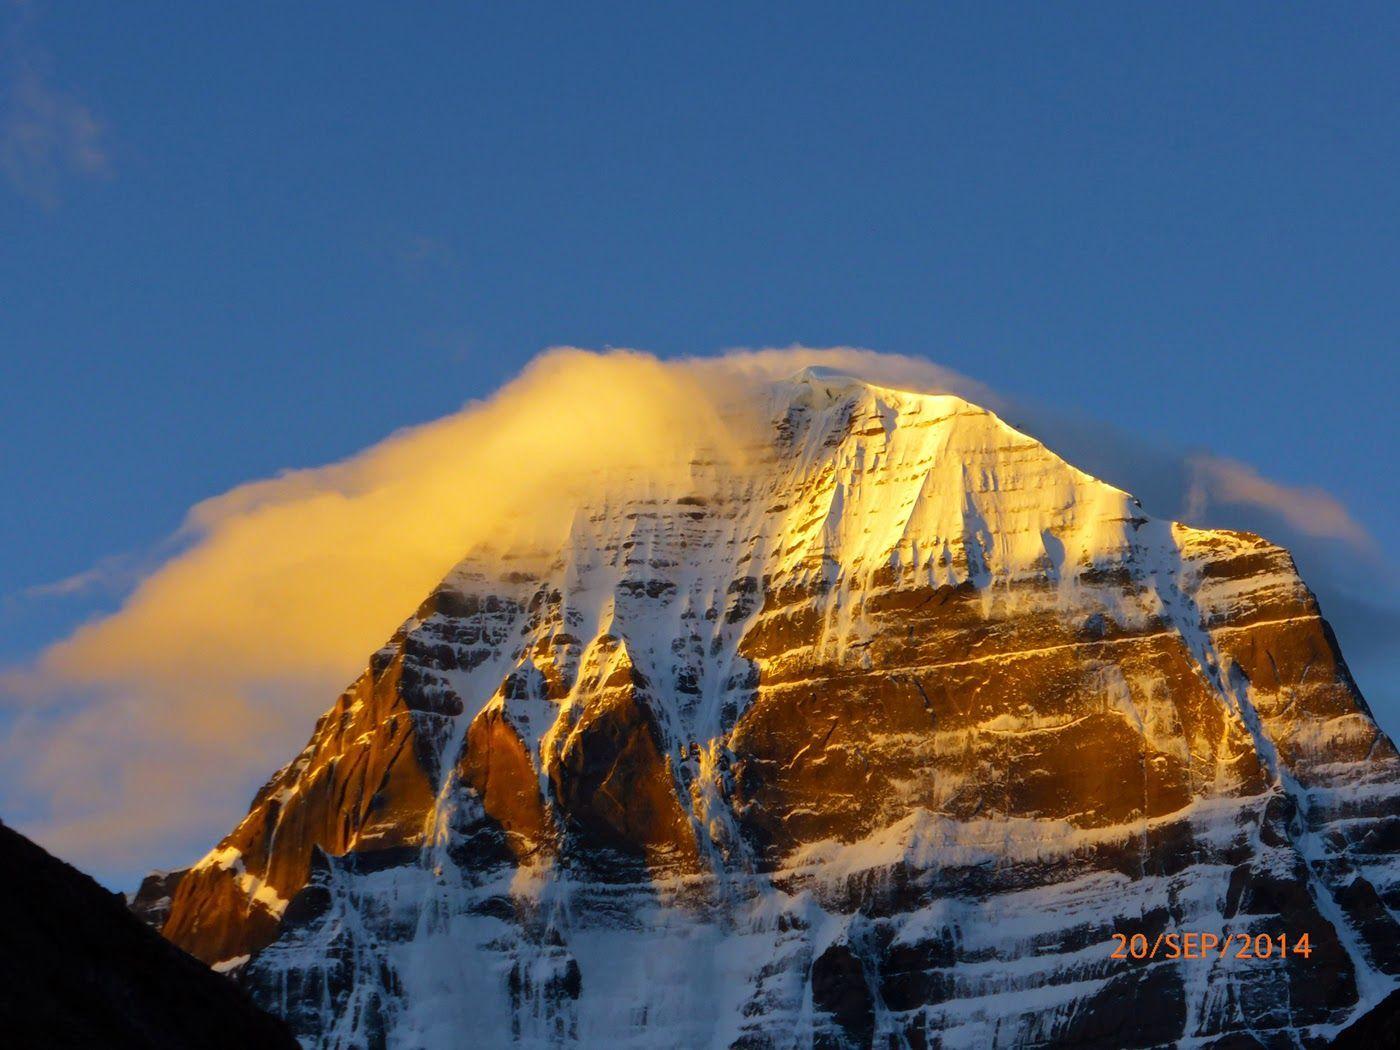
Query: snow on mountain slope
point(876, 736)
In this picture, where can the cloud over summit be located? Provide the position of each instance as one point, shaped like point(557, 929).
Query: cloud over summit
point(138, 738)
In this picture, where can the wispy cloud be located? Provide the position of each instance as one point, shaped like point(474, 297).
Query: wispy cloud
point(47, 134)
point(111, 575)
point(78, 583)
point(1311, 510)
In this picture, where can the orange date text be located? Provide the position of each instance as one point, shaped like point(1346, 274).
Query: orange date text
point(1208, 945)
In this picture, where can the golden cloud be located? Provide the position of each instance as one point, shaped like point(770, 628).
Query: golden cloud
point(150, 726)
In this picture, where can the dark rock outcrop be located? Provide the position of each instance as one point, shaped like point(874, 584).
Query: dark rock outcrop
point(151, 902)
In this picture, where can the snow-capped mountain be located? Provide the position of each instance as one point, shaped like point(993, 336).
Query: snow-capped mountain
point(877, 738)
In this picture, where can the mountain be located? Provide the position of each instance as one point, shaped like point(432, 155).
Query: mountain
point(77, 970)
point(889, 731)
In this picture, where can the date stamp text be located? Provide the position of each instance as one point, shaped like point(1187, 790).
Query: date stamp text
point(1207, 945)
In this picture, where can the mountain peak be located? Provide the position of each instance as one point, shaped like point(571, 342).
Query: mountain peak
point(831, 379)
point(832, 384)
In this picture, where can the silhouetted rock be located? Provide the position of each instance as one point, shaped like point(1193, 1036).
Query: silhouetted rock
point(77, 969)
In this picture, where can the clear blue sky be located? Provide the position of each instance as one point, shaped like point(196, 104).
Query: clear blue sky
point(237, 241)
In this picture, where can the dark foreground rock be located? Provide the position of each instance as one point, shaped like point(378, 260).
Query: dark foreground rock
point(78, 970)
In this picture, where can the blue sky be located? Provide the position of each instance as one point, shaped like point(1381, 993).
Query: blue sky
point(236, 242)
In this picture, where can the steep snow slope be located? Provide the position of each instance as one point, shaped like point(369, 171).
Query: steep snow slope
point(877, 735)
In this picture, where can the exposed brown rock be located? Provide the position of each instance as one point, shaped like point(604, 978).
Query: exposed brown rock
point(360, 785)
point(496, 764)
point(611, 780)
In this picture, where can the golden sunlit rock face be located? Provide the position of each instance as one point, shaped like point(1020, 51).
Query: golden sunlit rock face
point(879, 735)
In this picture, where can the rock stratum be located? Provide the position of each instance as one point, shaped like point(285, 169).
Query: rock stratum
point(878, 738)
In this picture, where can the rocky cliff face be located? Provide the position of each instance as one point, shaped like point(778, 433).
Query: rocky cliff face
point(877, 738)
point(151, 901)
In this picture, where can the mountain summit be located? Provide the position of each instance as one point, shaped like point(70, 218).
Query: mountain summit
point(876, 734)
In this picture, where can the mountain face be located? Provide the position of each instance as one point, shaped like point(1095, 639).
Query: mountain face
point(76, 970)
point(880, 737)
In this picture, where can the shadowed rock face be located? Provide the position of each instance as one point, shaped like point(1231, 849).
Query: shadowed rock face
point(878, 737)
point(151, 902)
